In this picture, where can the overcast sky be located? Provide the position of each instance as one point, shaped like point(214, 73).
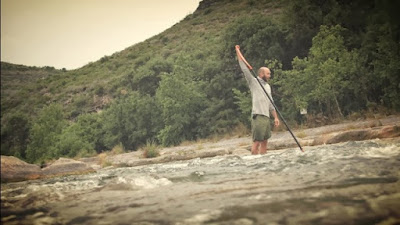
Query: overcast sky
point(71, 33)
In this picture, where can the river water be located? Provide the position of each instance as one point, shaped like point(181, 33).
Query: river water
point(346, 183)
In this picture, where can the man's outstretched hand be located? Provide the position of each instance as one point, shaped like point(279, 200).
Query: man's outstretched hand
point(241, 57)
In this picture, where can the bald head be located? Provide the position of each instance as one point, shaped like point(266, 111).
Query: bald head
point(264, 73)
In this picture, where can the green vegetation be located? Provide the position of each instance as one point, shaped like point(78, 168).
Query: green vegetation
point(151, 150)
point(45, 134)
point(333, 58)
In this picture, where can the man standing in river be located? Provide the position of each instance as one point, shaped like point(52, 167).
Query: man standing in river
point(261, 107)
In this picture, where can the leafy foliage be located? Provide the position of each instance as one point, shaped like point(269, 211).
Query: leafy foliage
point(260, 39)
point(72, 144)
point(243, 100)
point(151, 150)
point(131, 120)
point(181, 100)
point(45, 133)
point(323, 81)
point(382, 50)
point(14, 135)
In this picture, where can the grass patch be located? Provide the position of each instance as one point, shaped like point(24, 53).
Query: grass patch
point(200, 147)
point(118, 149)
point(351, 127)
point(151, 150)
point(240, 130)
point(301, 134)
point(102, 157)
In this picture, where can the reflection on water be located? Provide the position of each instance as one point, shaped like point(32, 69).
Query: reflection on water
point(347, 183)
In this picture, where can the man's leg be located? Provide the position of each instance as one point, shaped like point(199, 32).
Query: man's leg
point(266, 136)
point(254, 147)
point(263, 147)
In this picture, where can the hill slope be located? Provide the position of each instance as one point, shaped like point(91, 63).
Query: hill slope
point(198, 35)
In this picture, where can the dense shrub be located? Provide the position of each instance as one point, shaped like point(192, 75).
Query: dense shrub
point(131, 120)
point(72, 144)
point(180, 99)
point(14, 135)
point(45, 133)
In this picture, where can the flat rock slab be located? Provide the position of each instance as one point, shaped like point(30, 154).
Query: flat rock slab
point(64, 166)
point(175, 156)
point(389, 131)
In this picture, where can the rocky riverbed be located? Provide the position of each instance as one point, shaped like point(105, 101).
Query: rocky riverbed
point(351, 182)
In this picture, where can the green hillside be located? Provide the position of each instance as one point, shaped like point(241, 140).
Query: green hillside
point(184, 83)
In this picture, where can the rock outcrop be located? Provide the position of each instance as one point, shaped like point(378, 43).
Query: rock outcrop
point(389, 131)
point(14, 169)
point(64, 166)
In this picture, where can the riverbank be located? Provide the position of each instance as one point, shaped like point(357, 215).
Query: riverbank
point(13, 169)
point(346, 131)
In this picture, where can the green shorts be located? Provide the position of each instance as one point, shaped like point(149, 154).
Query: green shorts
point(260, 127)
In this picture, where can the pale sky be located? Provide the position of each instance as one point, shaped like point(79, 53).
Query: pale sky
point(71, 33)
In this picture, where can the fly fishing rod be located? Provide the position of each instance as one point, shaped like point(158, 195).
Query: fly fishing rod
point(269, 98)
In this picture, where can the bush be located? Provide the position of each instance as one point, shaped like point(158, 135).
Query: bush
point(243, 101)
point(151, 150)
point(260, 38)
point(45, 133)
point(91, 130)
point(323, 82)
point(181, 99)
point(100, 91)
point(118, 149)
point(14, 135)
point(131, 120)
point(71, 144)
point(81, 101)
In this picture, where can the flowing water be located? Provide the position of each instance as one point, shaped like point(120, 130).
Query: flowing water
point(347, 183)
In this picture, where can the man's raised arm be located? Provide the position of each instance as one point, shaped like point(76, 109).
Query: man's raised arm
point(241, 57)
point(244, 66)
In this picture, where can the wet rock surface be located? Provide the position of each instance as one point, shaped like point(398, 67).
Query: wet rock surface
point(355, 182)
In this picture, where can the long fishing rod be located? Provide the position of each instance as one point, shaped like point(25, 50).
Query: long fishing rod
point(269, 98)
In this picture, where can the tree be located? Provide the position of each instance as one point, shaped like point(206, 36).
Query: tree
point(259, 37)
point(91, 129)
point(243, 101)
point(131, 120)
point(146, 78)
point(381, 47)
point(72, 144)
point(324, 79)
point(181, 100)
point(45, 134)
point(387, 69)
point(14, 135)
